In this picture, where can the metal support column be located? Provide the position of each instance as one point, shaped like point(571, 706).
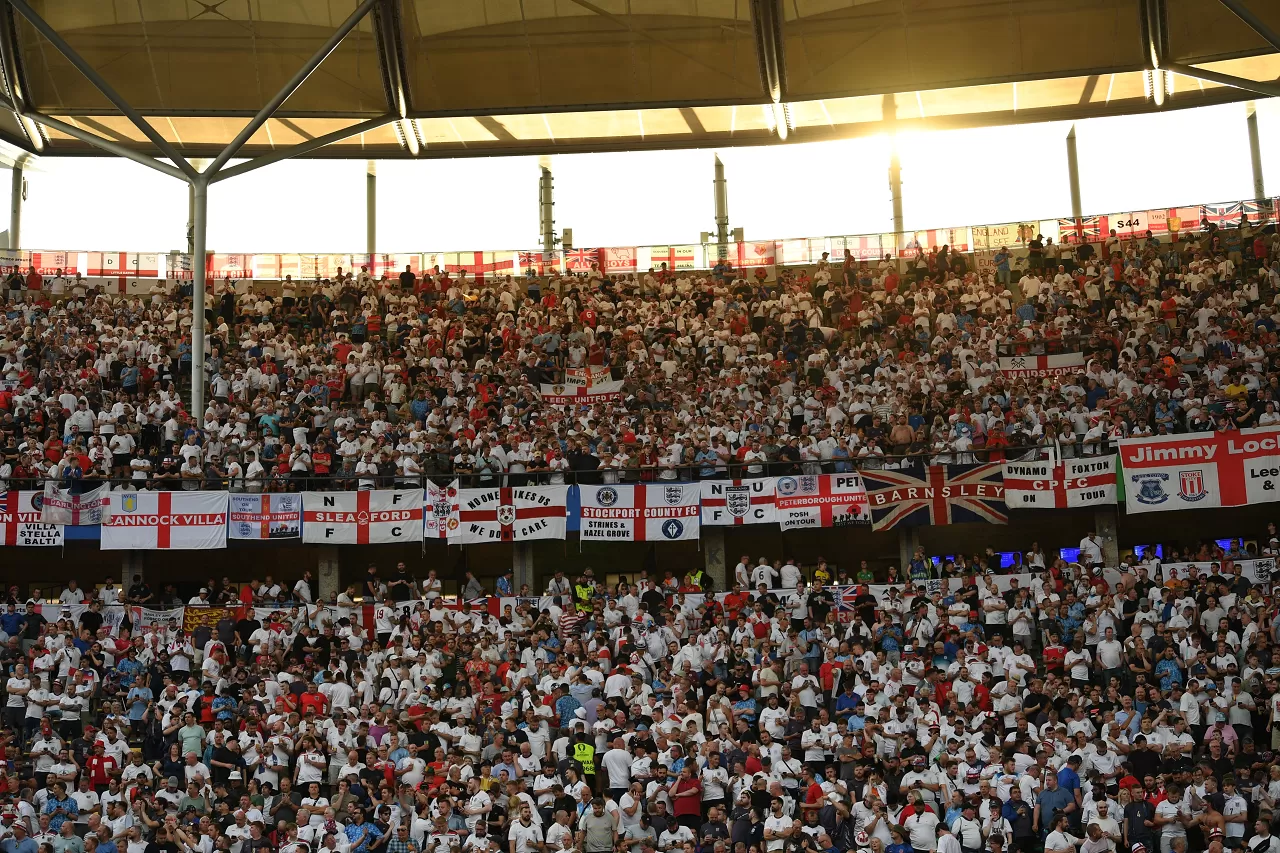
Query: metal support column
point(1255, 151)
point(15, 202)
point(895, 190)
point(371, 209)
point(713, 553)
point(200, 201)
point(1106, 523)
point(546, 211)
point(522, 566)
point(1073, 174)
point(908, 542)
point(722, 204)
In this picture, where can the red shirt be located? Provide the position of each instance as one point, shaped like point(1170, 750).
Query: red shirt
point(313, 702)
point(687, 805)
point(99, 767)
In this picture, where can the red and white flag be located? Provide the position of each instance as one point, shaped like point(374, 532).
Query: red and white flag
point(437, 510)
point(656, 513)
point(756, 255)
point(272, 516)
point(20, 522)
point(675, 257)
point(1088, 481)
point(727, 502)
point(862, 247)
point(822, 500)
point(509, 514)
point(164, 521)
point(59, 506)
point(570, 395)
point(618, 260)
point(362, 518)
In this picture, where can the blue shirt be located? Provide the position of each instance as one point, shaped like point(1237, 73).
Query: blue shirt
point(68, 805)
point(353, 833)
point(12, 623)
point(138, 699)
point(28, 845)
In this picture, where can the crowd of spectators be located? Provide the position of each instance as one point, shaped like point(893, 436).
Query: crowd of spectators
point(960, 711)
point(357, 382)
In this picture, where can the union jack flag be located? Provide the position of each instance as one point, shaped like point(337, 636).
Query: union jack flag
point(1087, 229)
point(1223, 215)
point(936, 495)
point(539, 262)
point(581, 259)
point(1260, 212)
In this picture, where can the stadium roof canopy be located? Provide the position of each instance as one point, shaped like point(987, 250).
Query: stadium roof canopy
point(447, 78)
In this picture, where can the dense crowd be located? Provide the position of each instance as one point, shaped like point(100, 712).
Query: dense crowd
point(960, 710)
point(357, 382)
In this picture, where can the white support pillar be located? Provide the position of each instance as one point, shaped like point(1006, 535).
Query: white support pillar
point(18, 196)
point(371, 209)
point(546, 211)
point(200, 200)
point(1073, 174)
point(327, 573)
point(1255, 151)
point(895, 190)
point(714, 557)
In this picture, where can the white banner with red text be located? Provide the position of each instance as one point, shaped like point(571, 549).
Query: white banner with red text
point(61, 506)
point(1042, 366)
point(822, 500)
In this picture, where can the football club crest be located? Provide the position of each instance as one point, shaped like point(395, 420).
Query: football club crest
point(672, 528)
point(129, 503)
point(506, 515)
point(788, 486)
point(737, 500)
point(607, 496)
point(1191, 485)
point(1150, 488)
point(673, 495)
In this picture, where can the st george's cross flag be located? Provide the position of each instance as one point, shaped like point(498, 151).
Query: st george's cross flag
point(726, 502)
point(164, 521)
point(1072, 483)
point(362, 518)
point(935, 495)
point(509, 514)
point(640, 513)
point(811, 501)
point(437, 510)
point(60, 506)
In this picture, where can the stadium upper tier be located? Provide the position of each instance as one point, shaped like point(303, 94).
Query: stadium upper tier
point(431, 373)
point(468, 77)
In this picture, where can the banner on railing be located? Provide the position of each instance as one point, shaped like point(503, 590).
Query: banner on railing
point(1072, 483)
point(733, 502)
point(164, 521)
point(586, 377)
point(60, 506)
point(642, 513)
point(1042, 366)
point(1201, 470)
point(1260, 571)
point(821, 500)
point(920, 495)
point(271, 516)
point(366, 517)
point(437, 510)
point(20, 521)
point(509, 514)
point(609, 390)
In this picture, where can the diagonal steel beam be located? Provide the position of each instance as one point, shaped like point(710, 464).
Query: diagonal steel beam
point(107, 145)
point(289, 88)
point(103, 86)
point(1253, 22)
point(1262, 88)
point(766, 19)
point(395, 76)
point(15, 80)
point(300, 150)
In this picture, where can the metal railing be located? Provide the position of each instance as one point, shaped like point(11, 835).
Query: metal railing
point(683, 473)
